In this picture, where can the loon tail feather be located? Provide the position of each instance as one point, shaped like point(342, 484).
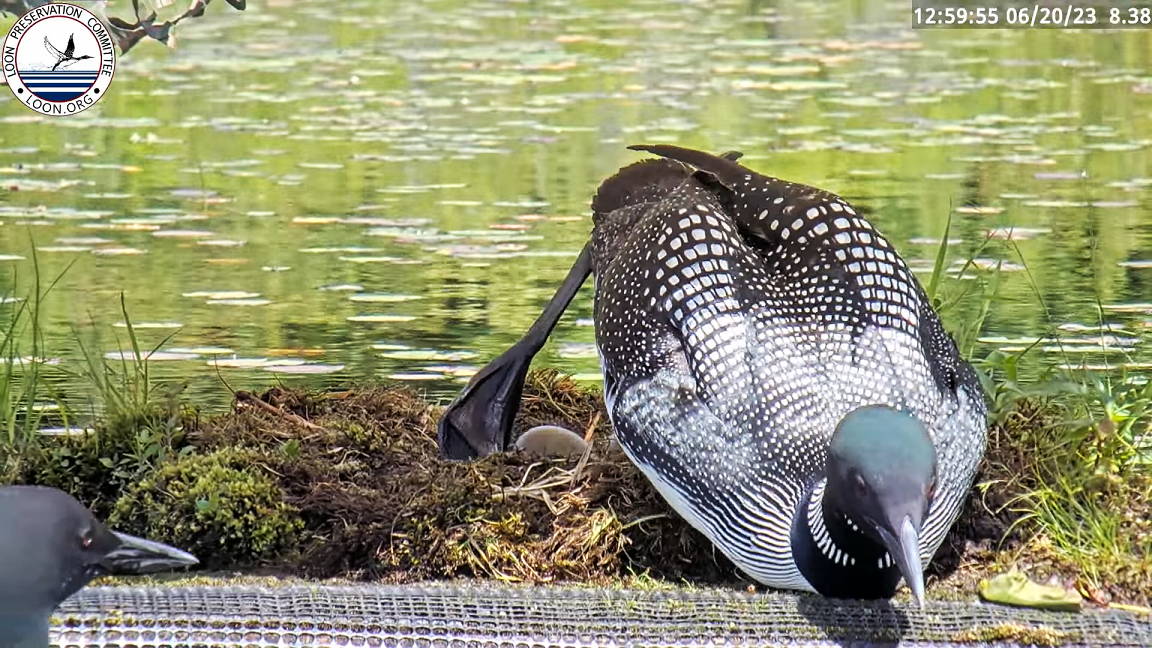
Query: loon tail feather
point(650, 180)
point(640, 182)
point(722, 166)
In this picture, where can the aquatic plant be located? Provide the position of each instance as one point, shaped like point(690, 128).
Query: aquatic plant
point(21, 379)
point(136, 427)
point(126, 389)
point(1069, 463)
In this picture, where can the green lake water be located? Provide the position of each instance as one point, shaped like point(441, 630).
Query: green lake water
point(393, 190)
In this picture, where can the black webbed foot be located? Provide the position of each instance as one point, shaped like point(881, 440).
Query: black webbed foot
point(479, 421)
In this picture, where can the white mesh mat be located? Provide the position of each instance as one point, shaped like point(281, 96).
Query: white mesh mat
point(490, 616)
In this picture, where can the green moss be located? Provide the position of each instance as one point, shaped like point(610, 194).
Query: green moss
point(219, 506)
point(1017, 633)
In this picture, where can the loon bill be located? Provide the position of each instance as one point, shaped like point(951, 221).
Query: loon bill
point(772, 366)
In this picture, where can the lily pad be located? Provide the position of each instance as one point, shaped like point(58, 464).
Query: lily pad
point(222, 294)
point(382, 318)
point(238, 363)
point(153, 357)
point(304, 368)
point(240, 302)
point(425, 354)
point(383, 297)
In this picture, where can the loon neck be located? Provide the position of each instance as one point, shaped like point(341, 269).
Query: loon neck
point(835, 556)
point(25, 630)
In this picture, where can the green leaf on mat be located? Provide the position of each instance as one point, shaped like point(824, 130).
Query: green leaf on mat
point(1015, 588)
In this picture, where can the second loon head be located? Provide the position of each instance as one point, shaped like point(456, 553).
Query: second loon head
point(881, 474)
point(51, 546)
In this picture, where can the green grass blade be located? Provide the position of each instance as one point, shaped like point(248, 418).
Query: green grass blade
point(938, 266)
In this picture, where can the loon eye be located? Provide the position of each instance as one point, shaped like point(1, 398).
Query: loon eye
point(87, 537)
point(930, 492)
point(860, 486)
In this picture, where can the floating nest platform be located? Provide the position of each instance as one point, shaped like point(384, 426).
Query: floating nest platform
point(501, 615)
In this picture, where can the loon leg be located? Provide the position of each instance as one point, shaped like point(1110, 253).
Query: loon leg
point(479, 421)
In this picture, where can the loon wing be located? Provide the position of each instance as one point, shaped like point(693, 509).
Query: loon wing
point(71, 49)
point(815, 242)
point(674, 300)
point(479, 422)
point(52, 49)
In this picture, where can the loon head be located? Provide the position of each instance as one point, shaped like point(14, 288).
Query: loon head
point(51, 547)
point(882, 474)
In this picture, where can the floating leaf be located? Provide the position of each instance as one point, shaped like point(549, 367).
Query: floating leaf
point(188, 234)
point(1015, 588)
point(239, 302)
point(978, 209)
point(64, 248)
point(149, 325)
point(425, 354)
point(155, 356)
point(304, 369)
point(65, 431)
point(384, 346)
point(383, 297)
point(200, 350)
point(118, 251)
point(370, 259)
point(578, 350)
point(222, 294)
point(239, 363)
point(381, 318)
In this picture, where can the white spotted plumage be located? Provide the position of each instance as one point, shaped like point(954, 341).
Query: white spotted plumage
point(735, 335)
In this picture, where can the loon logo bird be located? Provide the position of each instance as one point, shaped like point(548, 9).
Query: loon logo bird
point(772, 366)
point(67, 55)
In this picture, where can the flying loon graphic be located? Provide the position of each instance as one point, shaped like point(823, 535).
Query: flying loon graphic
point(67, 54)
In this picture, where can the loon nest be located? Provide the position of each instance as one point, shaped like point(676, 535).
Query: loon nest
point(362, 470)
point(366, 496)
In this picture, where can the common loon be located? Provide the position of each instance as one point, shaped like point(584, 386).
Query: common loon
point(50, 547)
point(772, 366)
point(67, 54)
